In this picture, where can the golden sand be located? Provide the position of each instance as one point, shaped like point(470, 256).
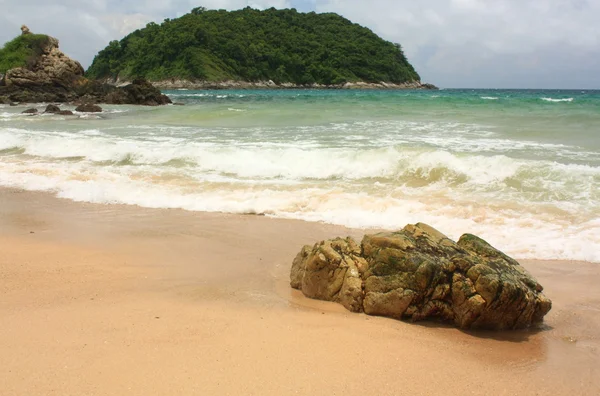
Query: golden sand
point(117, 300)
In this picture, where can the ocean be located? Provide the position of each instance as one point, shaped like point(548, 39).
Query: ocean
point(520, 168)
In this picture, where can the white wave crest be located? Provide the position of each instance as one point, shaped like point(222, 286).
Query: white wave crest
point(373, 173)
point(557, 100)
point(489, 98)
point(530, 233)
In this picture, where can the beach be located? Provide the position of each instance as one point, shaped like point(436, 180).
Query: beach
point(147, 250)
point(103, 299)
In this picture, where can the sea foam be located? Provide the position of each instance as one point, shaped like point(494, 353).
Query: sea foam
point(557, 100)
point(527, 190)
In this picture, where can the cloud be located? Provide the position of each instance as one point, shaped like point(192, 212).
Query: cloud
point(479, 43)
point(452, 43)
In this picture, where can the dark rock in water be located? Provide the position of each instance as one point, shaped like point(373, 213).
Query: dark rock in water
point(88, 108)
point(52, 109)
point(178, 104)
point(65, 112)
point(429, 86)
point(30, 111)
point(418, 273)
point(13, 104)
point(140, 92)
point(38, 94)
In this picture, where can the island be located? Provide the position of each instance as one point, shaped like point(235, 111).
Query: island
point(250, 48)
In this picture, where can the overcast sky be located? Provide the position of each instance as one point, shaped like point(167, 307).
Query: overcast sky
point(451, 43)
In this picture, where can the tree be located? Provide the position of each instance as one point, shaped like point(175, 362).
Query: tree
point(248, 44)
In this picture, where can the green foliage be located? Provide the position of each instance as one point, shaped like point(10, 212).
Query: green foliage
point(22, 51)
point(253, 45)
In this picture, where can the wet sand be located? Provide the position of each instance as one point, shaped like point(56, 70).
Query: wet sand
point(112, 299)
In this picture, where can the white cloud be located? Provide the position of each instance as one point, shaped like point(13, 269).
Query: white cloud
point(551, 43)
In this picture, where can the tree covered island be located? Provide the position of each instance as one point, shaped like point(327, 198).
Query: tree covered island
point(281, 46)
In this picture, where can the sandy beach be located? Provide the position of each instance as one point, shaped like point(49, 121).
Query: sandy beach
point(122, 300)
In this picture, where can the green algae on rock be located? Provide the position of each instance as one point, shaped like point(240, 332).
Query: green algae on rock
point(418, 273)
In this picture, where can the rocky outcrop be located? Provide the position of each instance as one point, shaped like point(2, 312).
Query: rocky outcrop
point(51, 68)
point(54, 77)
point(418, 273)
point(51, 108)
point(138, 92)
point(54, 109)
point(88, 108)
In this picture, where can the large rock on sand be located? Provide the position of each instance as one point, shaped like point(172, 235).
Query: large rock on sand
point(419, 273)
point(331, 271)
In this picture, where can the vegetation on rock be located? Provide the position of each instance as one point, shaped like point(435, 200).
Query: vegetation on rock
point(22, 51)
point(33, 70)
point(252, 45)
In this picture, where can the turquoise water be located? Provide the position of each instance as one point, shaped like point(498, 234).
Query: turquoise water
point(519, 168)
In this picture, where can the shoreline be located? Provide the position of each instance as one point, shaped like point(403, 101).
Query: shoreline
point(122, 299)
point(175, 84)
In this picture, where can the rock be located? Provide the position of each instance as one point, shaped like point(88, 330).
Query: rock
point(30, 111)
point(418, 273)
point(65, 112)
point(331, 271)
point(88, 108)
point(178, 104)
point(25, 30)
point(52, 109)
point(13, 104)
point(139, 92)
point(52, 76)
point(429, 86)
point(51, 68)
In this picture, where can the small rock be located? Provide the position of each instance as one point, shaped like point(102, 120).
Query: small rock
point(88, 108)
point(52, 109)
point(65, 112)
point(178, 104)
point(30, 111)
point(14, 104)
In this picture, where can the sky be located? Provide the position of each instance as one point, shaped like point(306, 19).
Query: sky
point(451, 43)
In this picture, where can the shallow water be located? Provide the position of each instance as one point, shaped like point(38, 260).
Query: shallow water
point(519, 168)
